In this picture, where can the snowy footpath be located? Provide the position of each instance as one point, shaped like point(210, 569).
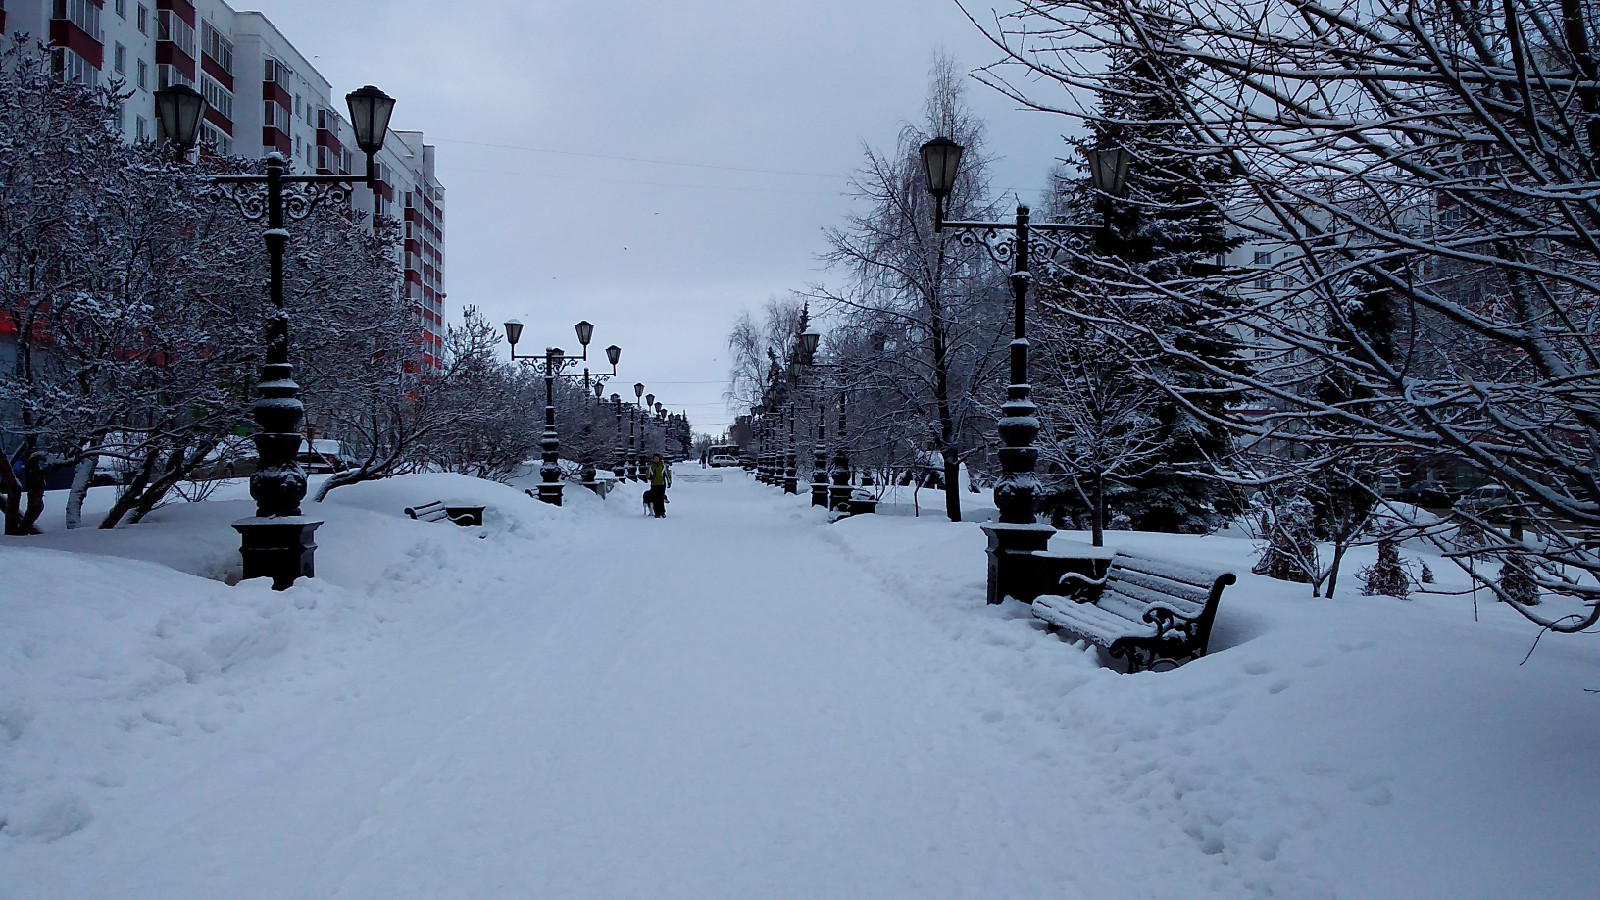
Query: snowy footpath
point(745, 701)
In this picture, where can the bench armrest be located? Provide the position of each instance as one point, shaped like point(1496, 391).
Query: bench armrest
point(1081, 581)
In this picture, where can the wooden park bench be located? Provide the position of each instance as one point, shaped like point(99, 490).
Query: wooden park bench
point(1147, 611)
point(437, 511)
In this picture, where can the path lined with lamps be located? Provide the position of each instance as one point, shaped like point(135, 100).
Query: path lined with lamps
point(588, 702)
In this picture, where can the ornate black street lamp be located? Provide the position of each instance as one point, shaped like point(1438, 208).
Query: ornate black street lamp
point(278, 542)
point(620, 464)
point(1017, 535)
point(550, 363)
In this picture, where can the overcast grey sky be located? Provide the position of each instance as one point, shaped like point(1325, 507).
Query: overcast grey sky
point(598, 154)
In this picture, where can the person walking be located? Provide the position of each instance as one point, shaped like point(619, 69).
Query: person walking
point(660, 479)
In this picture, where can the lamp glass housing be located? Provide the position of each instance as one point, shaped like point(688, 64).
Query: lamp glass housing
point(1108, 169)
point(614, 354)
point(179, 109)
point(650, 400)
point(585, 332)
point(370, 109)
point(941, 160)
point(638, 389)
point(809, 341)
point(554, 356)
point(513, 332)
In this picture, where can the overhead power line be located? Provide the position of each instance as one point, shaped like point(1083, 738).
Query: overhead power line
point(692, 187)
point(640, 159)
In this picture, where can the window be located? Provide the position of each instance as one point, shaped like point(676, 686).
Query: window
point(297, 145)
point(167, 76)
point(275, 116)
point(217, 138)
point(216, 46)
point(217, 97)
point(277, 73)
point(169, 27)
point(144, 76)
point(1263, 260)
point(70, 67)
point(143, 19)
point(297, 106)
point(141, 129)
point(119, 59)
point(83, 13)
point(122, 8)
point(310, 119)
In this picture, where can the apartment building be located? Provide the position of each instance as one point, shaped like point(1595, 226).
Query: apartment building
point(263, 95)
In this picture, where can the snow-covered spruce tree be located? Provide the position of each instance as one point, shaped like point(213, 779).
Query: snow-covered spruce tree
point(1154, 271)
point(1441, 149)
point(1291, 551)
point(937, 301)
point(1387, 577)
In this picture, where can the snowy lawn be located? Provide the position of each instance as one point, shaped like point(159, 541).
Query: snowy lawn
point(744, 701)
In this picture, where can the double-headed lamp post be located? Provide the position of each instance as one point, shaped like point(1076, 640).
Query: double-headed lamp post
point(1017, 535)
point(278, 542)
point(550, 363)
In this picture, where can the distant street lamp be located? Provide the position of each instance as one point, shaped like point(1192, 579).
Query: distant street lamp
point(550, 363)
point(620, 464)
point(278, 542)
point(635, 470)
point(834, 496)
point(1017, 535)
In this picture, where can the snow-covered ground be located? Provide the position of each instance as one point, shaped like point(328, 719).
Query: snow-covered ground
point(742, 700)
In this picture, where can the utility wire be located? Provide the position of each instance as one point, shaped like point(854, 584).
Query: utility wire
point(692, 187)
point(659, 162)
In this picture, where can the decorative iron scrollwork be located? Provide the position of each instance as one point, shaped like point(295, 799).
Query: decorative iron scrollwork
point(1044, 252)
point(251, 199)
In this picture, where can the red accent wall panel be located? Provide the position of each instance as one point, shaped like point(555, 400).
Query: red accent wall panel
point(277, 140)
point(215, 70)
point(219, 120)
point(271, 90)
point(183, 8)
point(168, 54)
point(65, 34)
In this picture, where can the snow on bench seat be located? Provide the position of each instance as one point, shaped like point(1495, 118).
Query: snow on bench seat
point(1146, 610)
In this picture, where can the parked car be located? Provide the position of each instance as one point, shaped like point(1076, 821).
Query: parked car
point(723, 461)
point(116, 463)
point(1492, 502)
point(1427, 494)
point(323, 455)
point(232, 457)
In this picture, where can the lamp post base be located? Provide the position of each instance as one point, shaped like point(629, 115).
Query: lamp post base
point(282, 548)
point(791, 484)
point(550, 493)
point(819, 494)
point(1013, 570)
